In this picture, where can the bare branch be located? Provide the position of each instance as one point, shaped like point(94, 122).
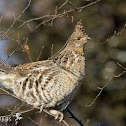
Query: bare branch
point(18, 17)
point(74, 117)
point(114, 34)
point(52, 17)
point(18, 47)
point(101, 89)
point(65, 13)
point(63, 5)
point(52, 50)
point(121, 65)
point(1, 19)
point(35, 121)
point(37, 59)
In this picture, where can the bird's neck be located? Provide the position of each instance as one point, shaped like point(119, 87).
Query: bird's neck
point(73, 61)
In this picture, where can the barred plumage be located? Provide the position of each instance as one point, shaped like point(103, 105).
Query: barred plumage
point(51, 83)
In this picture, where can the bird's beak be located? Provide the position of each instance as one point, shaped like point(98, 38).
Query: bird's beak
point(88, 38)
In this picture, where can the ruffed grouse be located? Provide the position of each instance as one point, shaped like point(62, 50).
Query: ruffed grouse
point(50, 84)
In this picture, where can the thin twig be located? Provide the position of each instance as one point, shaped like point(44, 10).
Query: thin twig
point(52, 50)
point(34, 121)
point(1, 17)
point(18, 17)
point(63, 5)
point(37, 59)
point(1, 60)
point(101, 89)
point(70, 3)
point(10, 94)
point(107, 40)
point(74, 117)
point(52, 17)
point(65, 13)
point(16, 48)
point(121, 65)
point(21, 112)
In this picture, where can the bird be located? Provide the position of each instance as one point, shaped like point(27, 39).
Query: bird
point(50, 84)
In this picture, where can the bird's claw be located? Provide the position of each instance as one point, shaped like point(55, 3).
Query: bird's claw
point(57, 114)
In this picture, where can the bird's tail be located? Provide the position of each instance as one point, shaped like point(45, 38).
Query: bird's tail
point(6, 75)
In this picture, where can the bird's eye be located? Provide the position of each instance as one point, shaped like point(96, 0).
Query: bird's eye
point(78, 38)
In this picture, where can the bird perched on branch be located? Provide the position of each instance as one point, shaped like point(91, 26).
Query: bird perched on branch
point(50, 84)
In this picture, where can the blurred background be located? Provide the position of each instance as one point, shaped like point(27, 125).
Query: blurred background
point(100, 21)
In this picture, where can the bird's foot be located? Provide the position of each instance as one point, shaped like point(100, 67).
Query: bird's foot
point(40, 109)
point(57, 114)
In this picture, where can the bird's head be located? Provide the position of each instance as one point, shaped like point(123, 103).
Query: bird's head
point(78, 38)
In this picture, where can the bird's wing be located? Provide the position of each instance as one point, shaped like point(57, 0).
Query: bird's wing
point(29, 68)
